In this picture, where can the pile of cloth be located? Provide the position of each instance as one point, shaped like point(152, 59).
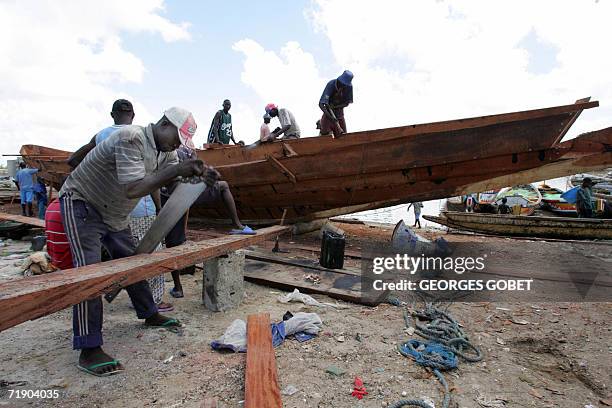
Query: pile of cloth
point(303, 326)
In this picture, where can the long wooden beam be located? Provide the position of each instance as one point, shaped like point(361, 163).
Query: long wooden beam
point(30, 298)
point(261, 389)
point(24, 220)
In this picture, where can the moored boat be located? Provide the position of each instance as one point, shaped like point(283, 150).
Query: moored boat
point(512, 225)
point(485, 201)
point(552, 201)
point(524, 195)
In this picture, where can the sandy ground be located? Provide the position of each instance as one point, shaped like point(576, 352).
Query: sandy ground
point(559, 356)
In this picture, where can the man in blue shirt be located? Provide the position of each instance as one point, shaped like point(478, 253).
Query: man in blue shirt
point(122, 114)
point(337, 95)
point(23, 179)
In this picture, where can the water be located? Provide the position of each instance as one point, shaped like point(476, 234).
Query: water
point(392, 215)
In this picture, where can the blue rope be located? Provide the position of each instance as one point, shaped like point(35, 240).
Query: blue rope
point(447, 340)
point(434, 355)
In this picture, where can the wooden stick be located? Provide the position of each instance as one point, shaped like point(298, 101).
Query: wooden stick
point(30, 298)
point(24, 220)
point(282, 169)
point(276, 248)
point(261, 389)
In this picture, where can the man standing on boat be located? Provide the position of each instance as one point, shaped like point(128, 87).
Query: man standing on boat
point(337, 95)
point(288, 124)
point(221, 127)
point(23, 179)
point(96, 200)
point(584, 199)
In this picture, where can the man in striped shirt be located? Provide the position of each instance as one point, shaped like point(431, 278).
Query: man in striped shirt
point(96, 200)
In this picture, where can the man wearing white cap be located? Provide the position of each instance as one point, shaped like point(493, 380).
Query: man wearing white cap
point(96, 200)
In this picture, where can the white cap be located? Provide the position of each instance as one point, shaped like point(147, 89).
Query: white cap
point(185, 124)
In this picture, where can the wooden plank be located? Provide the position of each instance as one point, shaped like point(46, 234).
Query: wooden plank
point(332, 284)
point(301, 262)
point(279, 166)
point(261, 389)
point(572, 120)
point(24, 220)
point(30, 298)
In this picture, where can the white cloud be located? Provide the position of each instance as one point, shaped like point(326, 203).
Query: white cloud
point(60, 61)
point(418, 62)
point(289, 78)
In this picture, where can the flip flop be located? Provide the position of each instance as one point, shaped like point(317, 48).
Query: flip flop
point(90, 369)
point(245, 231)
point(176, 293)
point(170, 325)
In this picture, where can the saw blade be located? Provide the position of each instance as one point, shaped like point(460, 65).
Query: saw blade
point(183, 196)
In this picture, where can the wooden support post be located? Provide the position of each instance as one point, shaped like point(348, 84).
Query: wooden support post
point(30, 298)
point(261, 387)
point(288, 150)
point(282, 168)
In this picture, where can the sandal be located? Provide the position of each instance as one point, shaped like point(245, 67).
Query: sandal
point(91, 368)
point(165, 307)
point(176, 293)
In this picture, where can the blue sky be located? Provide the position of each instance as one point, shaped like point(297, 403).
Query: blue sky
point(205, 69)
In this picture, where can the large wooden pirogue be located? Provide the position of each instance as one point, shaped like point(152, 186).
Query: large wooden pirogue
point(526, 226)
point(320, 177)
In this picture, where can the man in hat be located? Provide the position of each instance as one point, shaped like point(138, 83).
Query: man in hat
point(25, 184)
point(337, 95)
point(288, 125)
point(584, 199)
point(122, 113)
point(264, 130)
point(221, 127)
point(95, 202)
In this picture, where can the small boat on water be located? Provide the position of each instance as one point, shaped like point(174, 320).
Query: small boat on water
point(516, 225)
point(524, 195)
point(552, 201)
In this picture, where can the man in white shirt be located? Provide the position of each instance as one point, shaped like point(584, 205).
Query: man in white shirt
point(289, 127)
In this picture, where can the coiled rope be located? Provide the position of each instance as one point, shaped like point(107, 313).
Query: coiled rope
point(446, 341)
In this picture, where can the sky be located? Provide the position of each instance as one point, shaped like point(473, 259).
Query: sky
point(65, 62)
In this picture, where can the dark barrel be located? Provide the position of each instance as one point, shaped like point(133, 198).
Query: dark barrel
point(332, 250)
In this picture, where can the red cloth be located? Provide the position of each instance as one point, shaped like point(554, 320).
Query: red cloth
point(359, 390)
point(58, 247)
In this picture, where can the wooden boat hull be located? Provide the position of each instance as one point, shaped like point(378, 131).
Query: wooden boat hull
point(322, 177)
point(545, 227)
